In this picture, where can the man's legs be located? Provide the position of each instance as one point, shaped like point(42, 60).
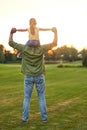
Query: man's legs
point(40, 86)
point(28, 87)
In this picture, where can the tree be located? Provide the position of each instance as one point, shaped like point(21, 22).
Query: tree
point(69, 53)
point(2, 53)
point(84, 57)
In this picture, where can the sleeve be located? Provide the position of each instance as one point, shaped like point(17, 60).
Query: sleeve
point(17, 46)
point(49, 46)
point(46, 47)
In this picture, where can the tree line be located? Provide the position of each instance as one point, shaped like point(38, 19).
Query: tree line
point(67, 54)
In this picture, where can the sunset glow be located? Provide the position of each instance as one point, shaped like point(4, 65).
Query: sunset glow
point(68, 16)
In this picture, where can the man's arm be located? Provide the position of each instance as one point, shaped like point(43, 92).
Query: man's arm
point(12, 43)
point(55, 40)
point(13, 30)
point(49, 46)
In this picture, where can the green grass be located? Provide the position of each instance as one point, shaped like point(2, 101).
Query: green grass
point(66, 96)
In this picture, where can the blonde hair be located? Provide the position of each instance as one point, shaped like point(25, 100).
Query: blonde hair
point(32, 23)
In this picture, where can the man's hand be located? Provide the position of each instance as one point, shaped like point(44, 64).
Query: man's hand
point(13, 30)
point(54, 29)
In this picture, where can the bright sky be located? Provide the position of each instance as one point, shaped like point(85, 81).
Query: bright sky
point(69, 16)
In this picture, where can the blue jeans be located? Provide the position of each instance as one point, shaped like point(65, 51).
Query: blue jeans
point(28, 87)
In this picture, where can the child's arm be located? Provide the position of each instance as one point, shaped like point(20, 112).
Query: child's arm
point(21, 30)
point(45, 29)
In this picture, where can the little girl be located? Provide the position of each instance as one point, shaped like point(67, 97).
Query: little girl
point(33, 32)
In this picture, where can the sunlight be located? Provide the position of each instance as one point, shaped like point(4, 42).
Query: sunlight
point(64, 15)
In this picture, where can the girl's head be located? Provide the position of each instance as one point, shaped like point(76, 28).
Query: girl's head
point(32, 21)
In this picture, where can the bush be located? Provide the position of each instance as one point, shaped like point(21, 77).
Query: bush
point(84, 59)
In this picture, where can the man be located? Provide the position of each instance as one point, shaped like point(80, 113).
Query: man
point(33, 69)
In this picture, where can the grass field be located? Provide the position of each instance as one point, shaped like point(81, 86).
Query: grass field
point(66, 96)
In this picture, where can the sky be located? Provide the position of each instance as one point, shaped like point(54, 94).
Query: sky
point(68, 16)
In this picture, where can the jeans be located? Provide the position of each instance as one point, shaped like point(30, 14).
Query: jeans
point(28, 87)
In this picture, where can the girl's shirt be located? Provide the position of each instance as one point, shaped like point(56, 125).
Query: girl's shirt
point(35, 36)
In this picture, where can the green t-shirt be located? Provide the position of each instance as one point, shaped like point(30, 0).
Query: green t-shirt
point(32, 58)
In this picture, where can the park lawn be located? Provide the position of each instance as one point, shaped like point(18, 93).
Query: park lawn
point(66, 96)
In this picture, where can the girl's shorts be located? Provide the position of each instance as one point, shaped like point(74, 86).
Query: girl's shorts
point(33, 42)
